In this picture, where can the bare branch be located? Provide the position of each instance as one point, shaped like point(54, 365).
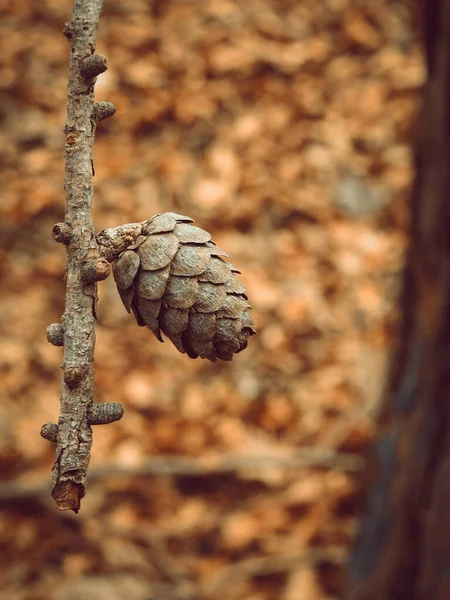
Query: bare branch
point(267, 565)
point(304, 458)
point(84, 265)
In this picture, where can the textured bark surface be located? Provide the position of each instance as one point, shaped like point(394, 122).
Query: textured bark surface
point(74, 432)
point(403, 548)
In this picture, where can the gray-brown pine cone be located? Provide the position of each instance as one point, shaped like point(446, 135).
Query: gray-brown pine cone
point(176, 280)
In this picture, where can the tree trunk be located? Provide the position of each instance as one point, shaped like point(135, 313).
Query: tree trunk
point(402, 551)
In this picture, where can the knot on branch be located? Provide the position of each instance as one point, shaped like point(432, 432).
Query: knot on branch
point(103, 110)
point(49, 431)
point(55, 334)
point(93, 65)
point(96, 269)
point(62, 233)
point(74, 375)
point(104, 413)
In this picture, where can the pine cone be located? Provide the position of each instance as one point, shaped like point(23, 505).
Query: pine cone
point(175, 279)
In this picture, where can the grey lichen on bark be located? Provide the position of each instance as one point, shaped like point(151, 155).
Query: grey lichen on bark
point(73, 433)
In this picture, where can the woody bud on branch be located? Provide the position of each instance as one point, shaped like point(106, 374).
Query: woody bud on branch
point(168, 272)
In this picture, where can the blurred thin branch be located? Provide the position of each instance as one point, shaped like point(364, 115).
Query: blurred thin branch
point(267, 565)
point(183, 466)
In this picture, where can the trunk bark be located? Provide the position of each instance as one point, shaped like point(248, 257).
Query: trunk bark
point(402, 551)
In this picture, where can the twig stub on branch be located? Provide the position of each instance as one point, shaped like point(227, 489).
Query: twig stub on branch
point(49, 431)
point(104, 413)
point(62, 233)
point(103, 110)
point(94, 270)
point(93, 66)
point(55, 334)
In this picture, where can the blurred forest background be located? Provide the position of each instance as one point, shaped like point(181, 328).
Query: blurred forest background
point(285, 129)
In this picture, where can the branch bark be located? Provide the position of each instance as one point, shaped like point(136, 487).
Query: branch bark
point(84, 265)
